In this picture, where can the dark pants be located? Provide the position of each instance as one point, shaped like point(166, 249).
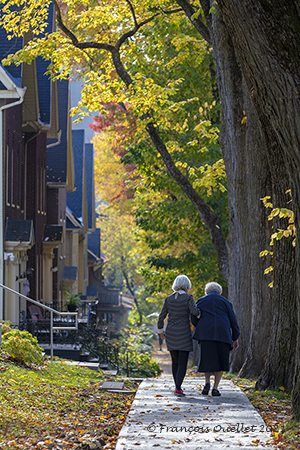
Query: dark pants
point(179, 366)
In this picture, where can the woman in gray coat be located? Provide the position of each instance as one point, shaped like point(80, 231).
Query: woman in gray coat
point(178, 306)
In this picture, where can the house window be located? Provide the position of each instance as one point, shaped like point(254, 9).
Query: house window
point(12, 179)
point(7, 176)
point(19, 178)
point(22, 190)
point(38, 194)
point(44, 190)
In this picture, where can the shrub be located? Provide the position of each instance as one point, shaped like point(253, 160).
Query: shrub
point(138, 365)
point(22, 346)
point(132, 347)
point(6, 327)
point(137, 339)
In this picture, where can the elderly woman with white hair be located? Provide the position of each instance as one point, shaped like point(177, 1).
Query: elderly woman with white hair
point(217, 332)
point(178, 306)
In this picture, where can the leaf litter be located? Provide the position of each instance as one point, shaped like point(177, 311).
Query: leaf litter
point(57, 406)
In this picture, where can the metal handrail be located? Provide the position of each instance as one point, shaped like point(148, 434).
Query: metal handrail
point(51, 315)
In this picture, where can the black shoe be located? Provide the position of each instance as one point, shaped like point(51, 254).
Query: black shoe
point(215, 393)
point(206, 389)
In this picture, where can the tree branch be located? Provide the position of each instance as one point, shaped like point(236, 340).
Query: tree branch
point(198, 24)
point(172, 11)
point(133, 13)
point(209, 218)
point(75, 42)
point(131, 291)
point(137, 25)
point(102, 46)
point(62, 25)
point(134, 30)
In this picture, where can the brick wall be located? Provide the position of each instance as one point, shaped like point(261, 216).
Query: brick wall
point(14, 164)
point(36, 206)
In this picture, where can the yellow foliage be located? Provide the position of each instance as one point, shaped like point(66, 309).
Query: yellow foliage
point(290, 231)
point(211, 177)
point(111, 176)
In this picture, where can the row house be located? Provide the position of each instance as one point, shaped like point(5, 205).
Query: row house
point(30, 129)
point(84, 259)
point(49, 244)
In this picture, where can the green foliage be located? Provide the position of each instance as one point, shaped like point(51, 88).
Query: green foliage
point(174, 233)
point(6, 326)
point(139, 365)
point(134, 347)
point(22, 346)
point(136, 55)
point(73, 299)
point(137, 339)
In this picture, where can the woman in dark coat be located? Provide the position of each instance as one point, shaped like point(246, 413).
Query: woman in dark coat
point(217, 332)
point(178, 306)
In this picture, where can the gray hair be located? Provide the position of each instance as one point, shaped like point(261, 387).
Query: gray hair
point(181, 283)
point(209, 287)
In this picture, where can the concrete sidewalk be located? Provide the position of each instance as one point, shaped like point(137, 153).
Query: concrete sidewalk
point(160, 419)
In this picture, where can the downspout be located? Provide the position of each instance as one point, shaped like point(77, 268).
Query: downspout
point(54, 144)
point(21, 93)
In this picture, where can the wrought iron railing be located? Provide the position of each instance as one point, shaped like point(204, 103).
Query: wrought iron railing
point(53, 327)
point(90, 338)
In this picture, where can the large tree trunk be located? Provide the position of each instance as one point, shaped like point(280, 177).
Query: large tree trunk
point(266, 38)
point(248, 180)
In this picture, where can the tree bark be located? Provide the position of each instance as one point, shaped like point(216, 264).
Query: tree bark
point(266, 38)
point(248, 180)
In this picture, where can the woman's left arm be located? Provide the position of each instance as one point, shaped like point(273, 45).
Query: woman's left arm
point(161, 318)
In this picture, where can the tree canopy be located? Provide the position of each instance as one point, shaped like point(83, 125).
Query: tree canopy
point(98, 43)
point(176, 238)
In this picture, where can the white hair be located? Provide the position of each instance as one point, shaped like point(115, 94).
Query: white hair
point(209, 287)
point(181, 283)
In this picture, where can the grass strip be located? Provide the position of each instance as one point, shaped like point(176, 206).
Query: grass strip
point(59, 406)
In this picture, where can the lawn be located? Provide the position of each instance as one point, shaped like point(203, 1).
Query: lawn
point(58, 406)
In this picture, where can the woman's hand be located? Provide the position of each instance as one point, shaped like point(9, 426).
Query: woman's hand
point(162, 336)
point(235, 344)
